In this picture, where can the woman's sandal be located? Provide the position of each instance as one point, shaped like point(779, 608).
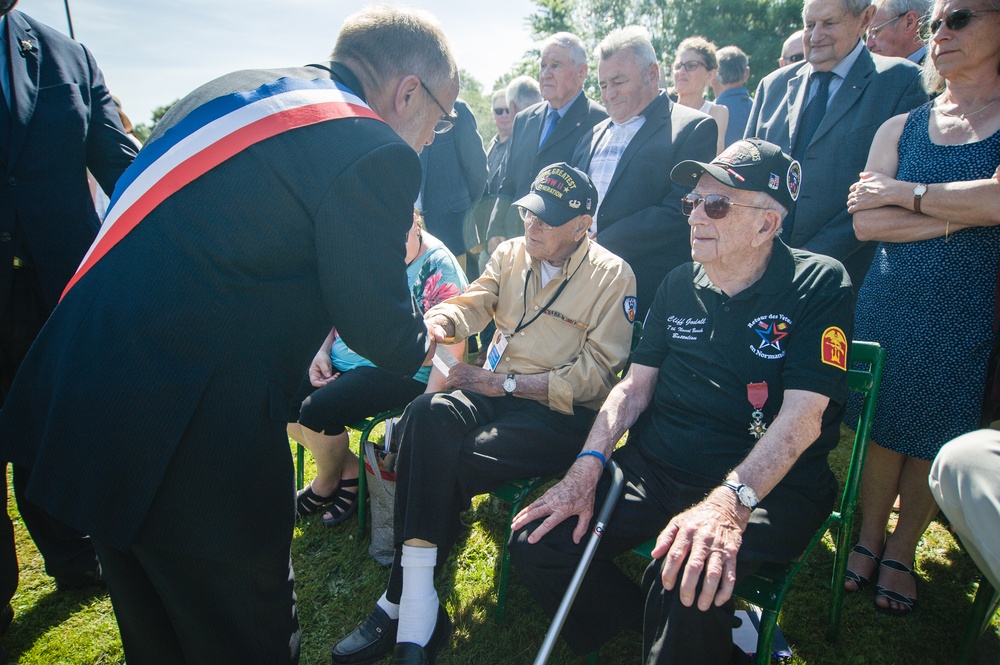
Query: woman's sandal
point(859, 581)
point(307, 502)
point(909, 604)
point(343, 504)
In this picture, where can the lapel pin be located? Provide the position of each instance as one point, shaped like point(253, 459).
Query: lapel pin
point(26, 46)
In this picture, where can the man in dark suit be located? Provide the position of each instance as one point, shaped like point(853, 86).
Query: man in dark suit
point(547, 132)
point(639, 215)
point(454, 177)
point(267, 207)
point(52, 87)
point(858, 91)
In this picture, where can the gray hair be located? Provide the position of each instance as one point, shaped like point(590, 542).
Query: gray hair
point(733, 63)
point(634, 38)
point(385, 41)
point(570, 42)
point(900, 7)
point(523, 91)
point(852, 7)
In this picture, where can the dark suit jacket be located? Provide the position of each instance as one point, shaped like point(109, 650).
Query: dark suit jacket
point(62, 122)
point(874, 90)
point(738, 101)
point(158, 391)
point(525, 160)
point(640, 218)
point(454, 172)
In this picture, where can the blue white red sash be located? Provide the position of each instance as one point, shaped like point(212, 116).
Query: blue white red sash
point(208, 136)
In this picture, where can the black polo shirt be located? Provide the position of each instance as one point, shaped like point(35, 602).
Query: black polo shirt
point(790, 329)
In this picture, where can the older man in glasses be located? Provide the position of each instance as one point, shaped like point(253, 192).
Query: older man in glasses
point(564, 308)
point(734, 398)
point(895, 30)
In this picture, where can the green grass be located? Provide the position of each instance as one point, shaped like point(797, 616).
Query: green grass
point(337, 584)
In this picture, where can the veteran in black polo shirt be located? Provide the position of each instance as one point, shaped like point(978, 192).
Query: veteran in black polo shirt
point(734, 400)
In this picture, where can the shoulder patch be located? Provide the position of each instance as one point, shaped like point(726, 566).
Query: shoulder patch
point(834, 349)
point(629, 305)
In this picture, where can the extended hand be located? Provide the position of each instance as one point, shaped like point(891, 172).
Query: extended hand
point(573, 495)
point(708, 535)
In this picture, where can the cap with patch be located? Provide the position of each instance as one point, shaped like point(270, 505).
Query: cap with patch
point(754, 165)
point(560, 193)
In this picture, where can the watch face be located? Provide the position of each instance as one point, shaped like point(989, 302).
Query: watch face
point(920, 190)
point(509, 384)
point(747, 496)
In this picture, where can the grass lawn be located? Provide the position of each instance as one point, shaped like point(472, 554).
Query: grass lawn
point(337, 584)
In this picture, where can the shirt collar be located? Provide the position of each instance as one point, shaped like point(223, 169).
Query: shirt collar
point(565, 107)
point(777, 275)
point(917, 55)
point(572, 263)
point(842, 68)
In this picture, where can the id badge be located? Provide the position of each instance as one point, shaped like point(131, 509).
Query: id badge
point(493, 356)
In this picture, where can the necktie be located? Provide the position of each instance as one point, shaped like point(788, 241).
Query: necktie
point(550, 123)
point(813, 114)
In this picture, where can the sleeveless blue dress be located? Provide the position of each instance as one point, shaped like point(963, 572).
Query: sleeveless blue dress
point(930, 305)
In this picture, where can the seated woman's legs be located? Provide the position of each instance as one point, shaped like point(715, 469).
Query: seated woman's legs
point(879, 488)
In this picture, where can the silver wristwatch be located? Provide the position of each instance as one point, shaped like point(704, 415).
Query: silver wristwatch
point(510, 385)
point(744, 492)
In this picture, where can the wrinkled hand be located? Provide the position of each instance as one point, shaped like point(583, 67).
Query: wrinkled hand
point(464, 376)
point(873, 190)
point(321, 370)
point(708, 535)
point(573, 495)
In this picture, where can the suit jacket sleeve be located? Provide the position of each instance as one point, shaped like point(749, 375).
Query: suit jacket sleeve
point(471, 155)
point(758, 98)
point(360, 229)
point(109, 150)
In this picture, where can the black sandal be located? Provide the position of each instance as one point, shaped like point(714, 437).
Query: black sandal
point(908, 604)
point(309, 503)
point(343, 503)
point(859, 581)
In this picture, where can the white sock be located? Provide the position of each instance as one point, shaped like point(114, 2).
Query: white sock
point(418, 604)
point(390, 608)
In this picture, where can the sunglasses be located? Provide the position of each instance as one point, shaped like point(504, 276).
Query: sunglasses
point(689, 66)
point(796, 57)
point(448, 120)
point(717, 206)
point(956, 20)
point(501, 111)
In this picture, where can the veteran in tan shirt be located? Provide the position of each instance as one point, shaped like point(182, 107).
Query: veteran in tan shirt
point(564, 308)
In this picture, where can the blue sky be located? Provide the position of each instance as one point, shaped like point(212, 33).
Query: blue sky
point(154, 51)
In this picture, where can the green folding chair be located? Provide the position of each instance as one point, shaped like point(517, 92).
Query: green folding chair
point(983, 608)
point(767, 588)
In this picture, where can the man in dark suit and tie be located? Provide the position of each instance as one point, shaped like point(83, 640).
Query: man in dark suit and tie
point(856, 93)
point(267, 207)
point(639, 215)
point(57, 119)
point(547, 132)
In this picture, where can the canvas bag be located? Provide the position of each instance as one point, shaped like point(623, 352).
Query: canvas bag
point(380, 468)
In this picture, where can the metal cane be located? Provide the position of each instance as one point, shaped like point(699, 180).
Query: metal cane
point(617, 483)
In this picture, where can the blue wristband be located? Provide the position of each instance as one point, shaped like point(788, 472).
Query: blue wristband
point(594, 453)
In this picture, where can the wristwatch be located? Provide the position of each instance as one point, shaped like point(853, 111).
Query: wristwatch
point(918, 193)
point(510, 385)
point(744, 492)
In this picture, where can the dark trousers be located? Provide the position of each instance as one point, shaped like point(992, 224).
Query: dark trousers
point(66, 551)
point(457, 445)
point(177, 609)
point(609, 601)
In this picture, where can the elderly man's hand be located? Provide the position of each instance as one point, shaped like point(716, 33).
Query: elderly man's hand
point(463, 376)
point(708, 536)
point(573, 495)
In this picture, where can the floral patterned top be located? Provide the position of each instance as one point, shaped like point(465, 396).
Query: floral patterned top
point(434, 277)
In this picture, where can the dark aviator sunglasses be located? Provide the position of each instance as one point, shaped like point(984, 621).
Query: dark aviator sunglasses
point(956, 20)
point(717, 206)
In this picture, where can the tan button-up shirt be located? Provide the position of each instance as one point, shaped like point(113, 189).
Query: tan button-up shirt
point(581, 339)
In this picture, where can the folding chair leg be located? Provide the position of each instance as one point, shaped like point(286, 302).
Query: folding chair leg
point(837, 582)
point(300, 467)
point(362, 491)
point(983, 608)
point(765, 639)
point(503, 574)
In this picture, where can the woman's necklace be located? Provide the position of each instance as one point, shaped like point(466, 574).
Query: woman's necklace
point(965, 116)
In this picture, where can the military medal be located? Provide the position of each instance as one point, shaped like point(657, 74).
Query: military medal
point(757, 394)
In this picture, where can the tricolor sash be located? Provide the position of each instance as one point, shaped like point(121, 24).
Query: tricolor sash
point(208, 136)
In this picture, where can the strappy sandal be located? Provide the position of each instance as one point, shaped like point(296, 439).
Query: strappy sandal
point(859, 581)
point(307, 502)
point(909, 604)
point(343, 504)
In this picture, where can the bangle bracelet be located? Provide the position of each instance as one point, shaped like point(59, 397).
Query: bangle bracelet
point(594, 453)
point(947, 223)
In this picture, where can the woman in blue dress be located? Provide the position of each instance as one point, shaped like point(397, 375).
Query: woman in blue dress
point(930, 194)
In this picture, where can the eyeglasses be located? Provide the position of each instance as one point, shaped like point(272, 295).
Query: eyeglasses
point(796, 57)
point(448, 120)
point(501, 111)
point(875, 29)
point(533, 219)
point(956, 20)
point(717, 206)
point(689, 66)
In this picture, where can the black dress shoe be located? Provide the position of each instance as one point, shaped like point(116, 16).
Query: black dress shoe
point(408, 653)
point(88, 578)
point(368, 643)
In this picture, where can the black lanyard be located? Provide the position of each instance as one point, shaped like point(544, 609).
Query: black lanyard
point(521, 325)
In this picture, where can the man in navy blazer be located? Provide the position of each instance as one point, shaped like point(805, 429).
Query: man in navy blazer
point(152, 406)
point(639, 215)
point(545, 133)
point(865, 91)
point(57, 120)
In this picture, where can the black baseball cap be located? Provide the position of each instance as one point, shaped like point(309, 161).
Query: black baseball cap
point(754, 165)
point(560, 193)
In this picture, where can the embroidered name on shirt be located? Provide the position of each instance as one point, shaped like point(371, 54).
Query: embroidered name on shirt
point(685, 328)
